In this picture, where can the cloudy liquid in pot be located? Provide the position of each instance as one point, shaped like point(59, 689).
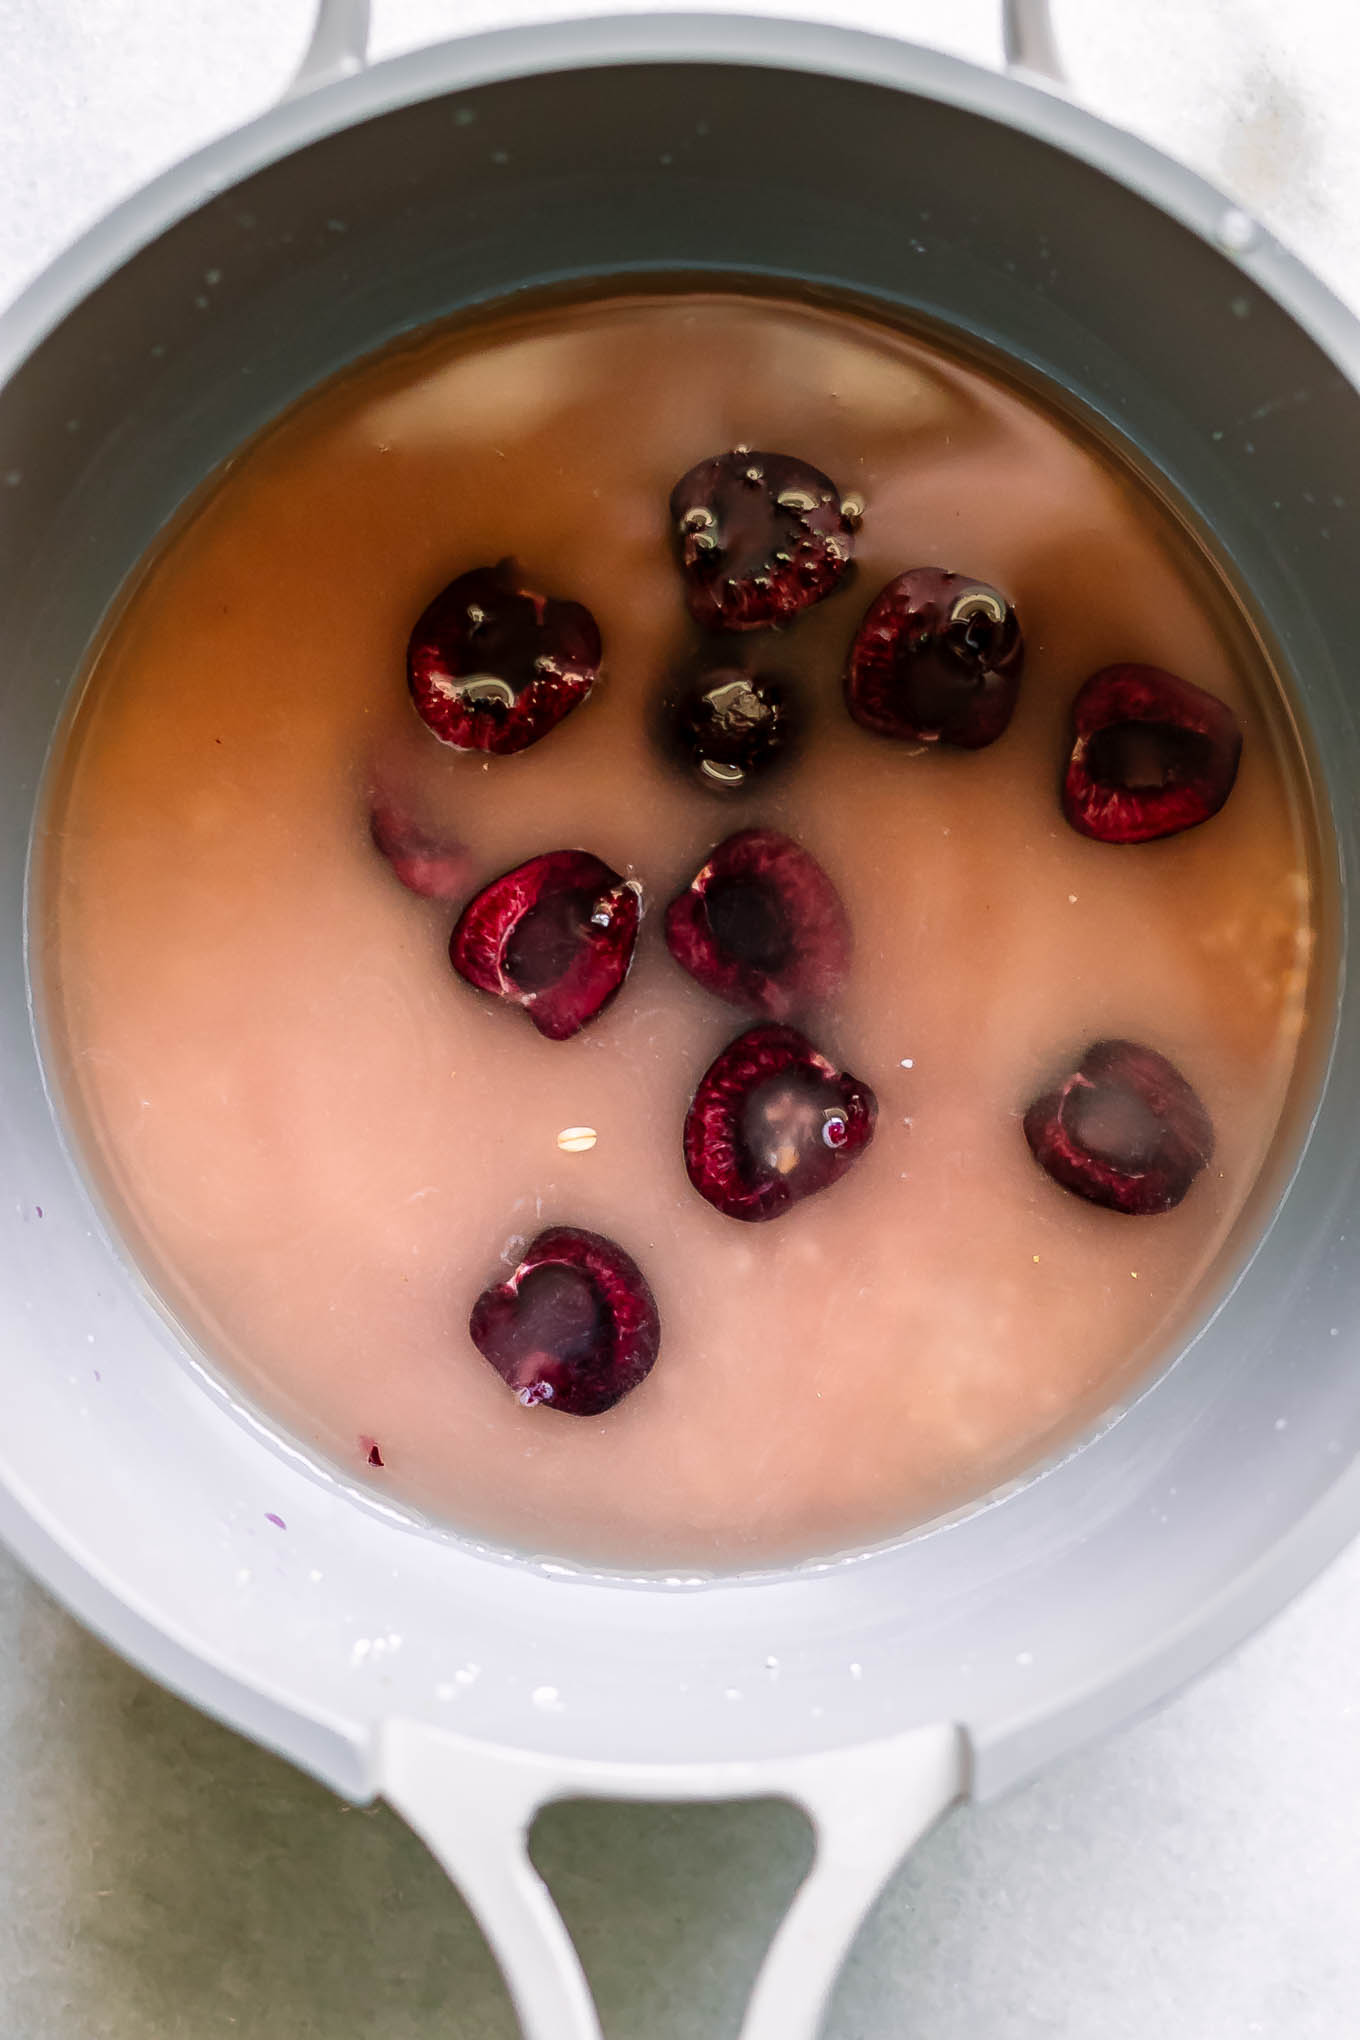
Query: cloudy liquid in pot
point(323, 1145)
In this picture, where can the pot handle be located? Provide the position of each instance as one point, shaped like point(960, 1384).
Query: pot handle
point(338, 46)
point(339, 43)
point(1028, 40)
point(474, 1806)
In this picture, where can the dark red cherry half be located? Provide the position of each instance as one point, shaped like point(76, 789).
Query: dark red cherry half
point(760, 536)
point(731, 726)
point(555, 935)
point(575, 1327)
point(937, 660)
point(761, 925)
point(772, 1122)
point(435, 867)
point(1123, 1129)
point(1151, 755)
point(492, 666)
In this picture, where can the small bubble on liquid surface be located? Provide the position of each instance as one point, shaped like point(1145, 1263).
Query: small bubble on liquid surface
point(548, 1699)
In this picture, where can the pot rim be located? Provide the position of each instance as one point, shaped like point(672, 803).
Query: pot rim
point(612, 40)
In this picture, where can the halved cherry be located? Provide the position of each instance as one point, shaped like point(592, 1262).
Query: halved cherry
point(575, 1327)
point(493, 666)
point(1151, 755)
point(434, 866)
point(761, 537)
point(555, 936)
point(731, 725)
point(761, 925)
point(1122, 1129)
point(772, 1122)
point(937, 659)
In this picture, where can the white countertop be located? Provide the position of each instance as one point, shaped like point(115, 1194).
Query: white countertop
point(1198, 1877)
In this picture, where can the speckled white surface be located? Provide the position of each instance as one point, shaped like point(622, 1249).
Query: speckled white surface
point(1198, 1877)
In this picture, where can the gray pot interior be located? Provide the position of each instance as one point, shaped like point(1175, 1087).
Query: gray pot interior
point(1094, 1588)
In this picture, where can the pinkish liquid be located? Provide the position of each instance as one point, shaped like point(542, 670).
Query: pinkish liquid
point(324, 1145)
